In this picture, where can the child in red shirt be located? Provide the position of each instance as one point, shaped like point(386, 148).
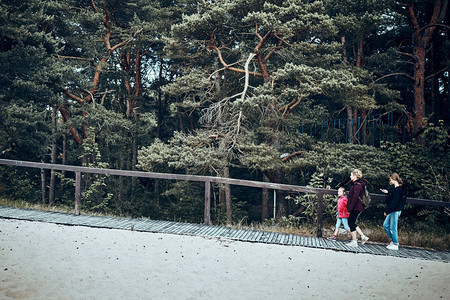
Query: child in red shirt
point(341, 214)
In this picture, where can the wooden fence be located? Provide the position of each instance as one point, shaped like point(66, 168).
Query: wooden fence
point(207, 180)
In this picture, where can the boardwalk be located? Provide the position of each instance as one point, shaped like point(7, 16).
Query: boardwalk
point(244, 235)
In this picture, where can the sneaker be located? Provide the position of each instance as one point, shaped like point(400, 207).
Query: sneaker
point(353, 243)
point(342, 231)
point(332, 238)
point(364, 239)
point(393, 247)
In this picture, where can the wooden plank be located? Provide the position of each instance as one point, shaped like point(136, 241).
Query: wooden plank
point(282, 238)
point(269, 237)
point(188, 228)
point(274, 238)
point(243, 234)
point(257, 236)
point(236, 233)
point(223, 232)
point(207, 230)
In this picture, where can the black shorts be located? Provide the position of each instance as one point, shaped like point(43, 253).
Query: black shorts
point(352, 220)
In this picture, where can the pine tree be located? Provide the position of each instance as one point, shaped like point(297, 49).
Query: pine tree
point(252, 73)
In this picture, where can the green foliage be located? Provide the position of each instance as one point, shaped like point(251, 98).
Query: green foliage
point(310, 201)
point(197, 153)
point(436, 137)
point(290, 222)
point(20, 184)
point(27, 70)
point(24, 132)
point(425, 173)
point(187, 202)
point(335, 161)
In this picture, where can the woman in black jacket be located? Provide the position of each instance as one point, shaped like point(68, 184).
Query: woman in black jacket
point(395, 203)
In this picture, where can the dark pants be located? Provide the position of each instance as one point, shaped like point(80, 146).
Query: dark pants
point(352, 220)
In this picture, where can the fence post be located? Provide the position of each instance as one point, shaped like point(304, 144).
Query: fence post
point(207, 216)
point(319, 214)
point(77, 193)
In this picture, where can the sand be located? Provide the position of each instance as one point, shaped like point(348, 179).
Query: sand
point(50, 261)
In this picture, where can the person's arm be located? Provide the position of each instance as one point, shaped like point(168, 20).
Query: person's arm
point(341, 206)
point(344, 206)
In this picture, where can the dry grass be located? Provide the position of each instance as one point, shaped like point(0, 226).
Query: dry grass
point(35, 206)
point(51, 208)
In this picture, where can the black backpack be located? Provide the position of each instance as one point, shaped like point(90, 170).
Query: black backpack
point(366, 197)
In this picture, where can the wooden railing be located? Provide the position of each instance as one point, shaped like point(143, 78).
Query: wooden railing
point(207, 180)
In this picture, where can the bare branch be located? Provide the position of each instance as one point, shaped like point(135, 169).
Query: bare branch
point(278, 46)
point(292, 155)
point(250, 57)
point(440, 71)
point(93, 5)
point(227, 67)
point(73, 57)
point(73, 97)
point(406, 54)
point(435, 25)
point(394, 74)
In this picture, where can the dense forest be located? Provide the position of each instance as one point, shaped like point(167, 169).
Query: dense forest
point(286, 91)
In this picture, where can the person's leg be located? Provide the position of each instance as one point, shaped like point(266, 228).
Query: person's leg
point(338, 224)
point(345, 223)
point(358, 230)
point(387, 226)
point(364, 238)
point(394, 225)
point(352, 224)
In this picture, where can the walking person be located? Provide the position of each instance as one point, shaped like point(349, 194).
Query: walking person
point(355, 207)
point(341, 214)
point(395, 202)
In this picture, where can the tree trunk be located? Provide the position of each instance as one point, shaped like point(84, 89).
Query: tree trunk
point(64, 161)
point(133, 165)
point(355, 123)
point(281, 205)
point(157, 192)
point(265, 200)
point(43, 189)
point(180, 119)
point(344, 50)
point(227, 188)
point(434, 90)
point(421, 40)
point(51, 191)
point(360, 53)
point(350, 125)
point(419, 92)
point(363, 126)
point(160, 93)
